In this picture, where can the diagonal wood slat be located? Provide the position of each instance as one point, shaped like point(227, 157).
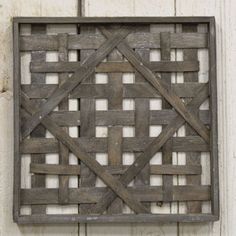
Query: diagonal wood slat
point(168, 94)
point(83, 72)
point(111, 181)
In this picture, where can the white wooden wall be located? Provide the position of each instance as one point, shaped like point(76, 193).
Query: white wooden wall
point(224, 11)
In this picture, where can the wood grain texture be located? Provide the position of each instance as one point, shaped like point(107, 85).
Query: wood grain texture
point(64, 105)
point(87, 121)
point(38, 180)
point(83, 72)
point(180, 104)
point(142, 117)
point(166, 149)
point(192, 158)
point(142, 90)
point(79, 152)
point(115, 101)
point(118, 169)
point(109, 66)
point(179, 144)
point(92, 195)
point(136, 40)
point(148, 153)
point(174, 100)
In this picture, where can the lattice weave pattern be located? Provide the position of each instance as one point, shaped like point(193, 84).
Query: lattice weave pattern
point(157, 148)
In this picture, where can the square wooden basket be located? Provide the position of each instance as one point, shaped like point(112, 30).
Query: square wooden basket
point(182, 77)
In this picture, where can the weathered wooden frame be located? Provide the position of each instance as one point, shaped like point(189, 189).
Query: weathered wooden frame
point(117, 185)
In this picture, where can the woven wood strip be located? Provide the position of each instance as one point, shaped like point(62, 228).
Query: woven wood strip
point(137, 90)
point(192, 157)
point(115, 101)
point(148, 152)
point(115, 50)
point(109, 66)
point(84, 71)
point(142, 117)
point(114, 184)
point(91, 145)
point(38, 180)
point(87, 121)
point(118, 169)
point(63, 150)
point(135, 40)
point(166, 149)
point(171, 97)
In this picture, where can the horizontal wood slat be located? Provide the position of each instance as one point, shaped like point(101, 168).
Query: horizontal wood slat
point(115, 117)
point(135, 40)
point(50, 145)
point(92, 195)
point(55, 169)
point(140, 90)
point(108, 67)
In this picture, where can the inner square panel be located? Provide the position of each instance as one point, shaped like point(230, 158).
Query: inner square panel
point(115, 120)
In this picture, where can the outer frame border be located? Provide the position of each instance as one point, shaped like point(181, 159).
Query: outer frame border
point(141, 218)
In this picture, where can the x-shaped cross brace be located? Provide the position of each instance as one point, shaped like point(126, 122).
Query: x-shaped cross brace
point(84, 71)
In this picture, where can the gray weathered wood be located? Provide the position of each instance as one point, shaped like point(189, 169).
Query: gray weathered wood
point(106, 67)
point(115, 101)
point(142, 90)
point(165, 42)
point(179, 144)
point(192, 157)
point(214, 121)
point(39, 78)
point(135, 40)
point(109, 20)
point(64, 105)
point(92, 195)
point(142, 117)
point(171, 97)
point(81, 154)
point(87, 121)
point(148, 153)
point(118, 169)
point(83, 72)
point(130, 41)
point(17, 159)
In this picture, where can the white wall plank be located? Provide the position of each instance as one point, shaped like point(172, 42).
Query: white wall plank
point(215, 8)
point(227, 50)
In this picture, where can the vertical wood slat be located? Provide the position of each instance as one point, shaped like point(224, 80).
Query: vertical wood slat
point(166, 150)
point(17, 154)
point(142, 118)
point(192, 158)
point(115, 101)
point(38, 181)
point(87, 122)
point(64, 105)
point(214, 122)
